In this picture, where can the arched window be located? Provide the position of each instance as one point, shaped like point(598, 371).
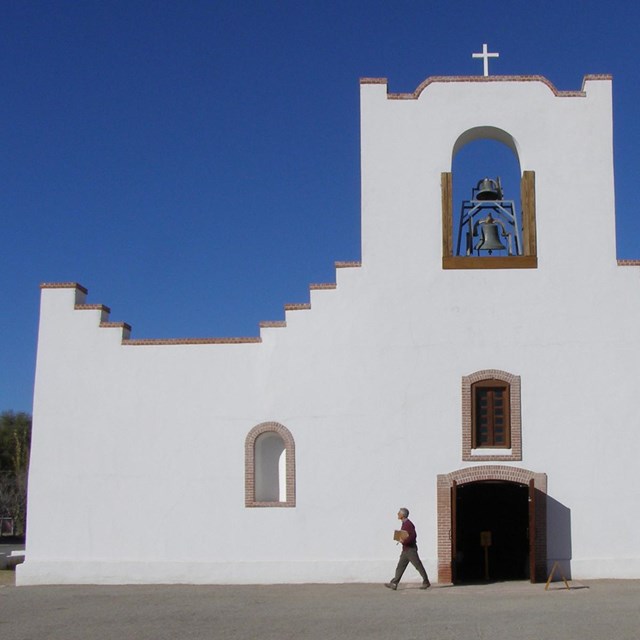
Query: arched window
point(270, 466)
point(490, 415)
point(488, 204)
point(270, 462)
point(491, 420)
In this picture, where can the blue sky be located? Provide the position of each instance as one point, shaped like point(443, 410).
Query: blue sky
point(195, 164)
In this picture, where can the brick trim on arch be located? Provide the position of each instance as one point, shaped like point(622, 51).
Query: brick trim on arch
point(249, 465)
point(499, 455)
point(482, 473)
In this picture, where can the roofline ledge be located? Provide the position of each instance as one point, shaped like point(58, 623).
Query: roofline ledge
point(534, 78)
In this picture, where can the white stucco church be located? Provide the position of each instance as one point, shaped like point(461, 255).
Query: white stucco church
point(475, 366)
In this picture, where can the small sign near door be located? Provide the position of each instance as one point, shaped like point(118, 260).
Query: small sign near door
point(485, 542)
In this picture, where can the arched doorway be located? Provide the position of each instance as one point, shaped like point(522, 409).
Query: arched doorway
point(508, 502)
point(492, 531)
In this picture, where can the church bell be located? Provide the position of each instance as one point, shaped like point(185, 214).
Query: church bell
point(488, 223)
point(489, 189)
point(490, 240)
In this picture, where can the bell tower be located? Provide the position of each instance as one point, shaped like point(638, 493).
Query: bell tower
point(559, 138)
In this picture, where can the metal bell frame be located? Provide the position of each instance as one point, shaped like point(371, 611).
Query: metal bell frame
point(486, 197)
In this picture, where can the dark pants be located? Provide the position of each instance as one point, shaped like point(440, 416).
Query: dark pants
point(409, 555)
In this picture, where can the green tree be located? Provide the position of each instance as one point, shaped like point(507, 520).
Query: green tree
point(15, 444)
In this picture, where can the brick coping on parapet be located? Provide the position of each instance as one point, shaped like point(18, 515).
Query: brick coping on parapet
point(105, 311)
point(64, 285)
point(184, 341)
point(528, 78)
point(267, 324)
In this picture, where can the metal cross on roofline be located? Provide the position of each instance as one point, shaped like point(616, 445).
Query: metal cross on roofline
point(485, 55)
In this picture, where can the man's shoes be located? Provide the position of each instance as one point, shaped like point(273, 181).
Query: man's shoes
point(425, 585)
point(391, 585)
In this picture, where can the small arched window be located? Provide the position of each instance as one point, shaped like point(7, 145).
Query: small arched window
point(270, 466)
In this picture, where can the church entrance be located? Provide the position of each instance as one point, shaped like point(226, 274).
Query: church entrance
point(492, 524)
point(491, 531)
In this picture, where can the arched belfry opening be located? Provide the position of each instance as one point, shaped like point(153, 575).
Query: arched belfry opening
point(487, 213)
point(488, 204)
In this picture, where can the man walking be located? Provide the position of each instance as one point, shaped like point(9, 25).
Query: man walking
point(409, 552)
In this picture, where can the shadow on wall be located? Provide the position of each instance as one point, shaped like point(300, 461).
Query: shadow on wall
point(558, 538)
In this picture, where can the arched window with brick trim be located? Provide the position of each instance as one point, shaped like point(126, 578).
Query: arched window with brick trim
point(491, 420)
point(270, 466)
point(490, 415)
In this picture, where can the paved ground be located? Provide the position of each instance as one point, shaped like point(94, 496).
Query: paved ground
point(597, 610)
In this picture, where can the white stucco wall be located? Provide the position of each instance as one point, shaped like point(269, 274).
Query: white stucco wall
point(137, 471)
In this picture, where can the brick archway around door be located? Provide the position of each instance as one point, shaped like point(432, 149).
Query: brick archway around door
point(479, 474)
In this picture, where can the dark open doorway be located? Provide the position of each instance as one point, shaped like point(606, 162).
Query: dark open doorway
point(491, 531)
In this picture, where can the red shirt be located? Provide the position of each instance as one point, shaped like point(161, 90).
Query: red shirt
point(412, 538)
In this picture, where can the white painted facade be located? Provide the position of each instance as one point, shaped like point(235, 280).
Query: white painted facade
point(138, 468)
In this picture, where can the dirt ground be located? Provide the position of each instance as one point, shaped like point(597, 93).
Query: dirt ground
point(7, 578)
